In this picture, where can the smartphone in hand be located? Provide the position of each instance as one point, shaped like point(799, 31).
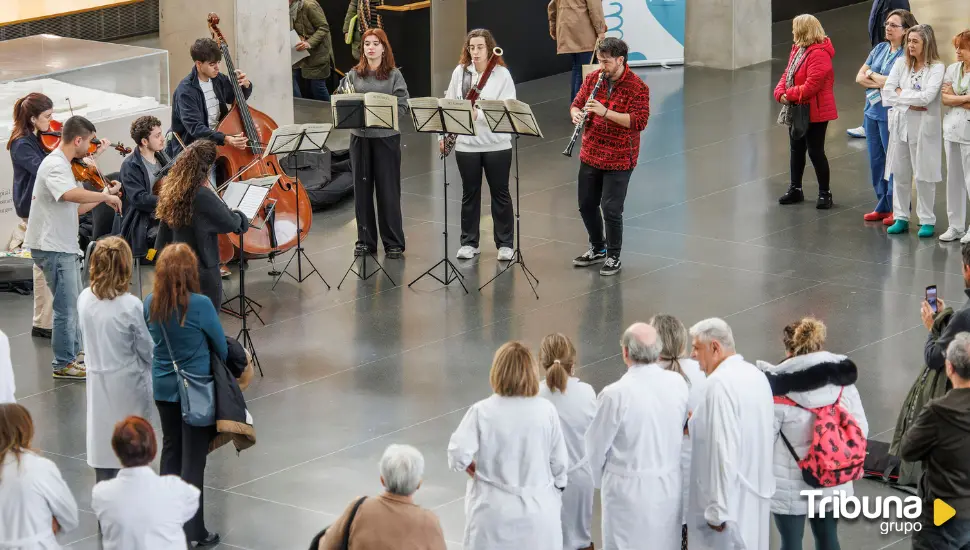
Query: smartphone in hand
point(931, 298)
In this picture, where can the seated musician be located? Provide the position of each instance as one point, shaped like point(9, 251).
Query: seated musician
point(139, 172)
point(203, 98)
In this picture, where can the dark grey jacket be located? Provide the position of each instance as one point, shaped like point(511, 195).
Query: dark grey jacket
point(934, 353)
point(210, 218)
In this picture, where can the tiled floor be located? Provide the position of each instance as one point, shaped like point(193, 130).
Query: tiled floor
point(350, 371)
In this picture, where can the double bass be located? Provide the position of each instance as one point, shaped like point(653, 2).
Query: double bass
point(280, 232)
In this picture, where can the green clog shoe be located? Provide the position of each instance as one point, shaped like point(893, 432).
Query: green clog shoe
point(899, 226)
point(926, 231)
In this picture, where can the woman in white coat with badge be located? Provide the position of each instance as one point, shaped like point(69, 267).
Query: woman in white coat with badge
point(118, 352)
point(576, 403)
point(915, 120)
point(956, 135)
point(512, 446)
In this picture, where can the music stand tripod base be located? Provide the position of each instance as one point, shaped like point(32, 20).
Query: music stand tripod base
point(361, 272)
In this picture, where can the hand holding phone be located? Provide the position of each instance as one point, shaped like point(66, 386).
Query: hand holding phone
point(931, 298)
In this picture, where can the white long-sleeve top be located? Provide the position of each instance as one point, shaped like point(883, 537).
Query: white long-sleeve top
point(32, 494)
point(7, 386)
point(917, 89)
point(499, 87)
point(140, 510)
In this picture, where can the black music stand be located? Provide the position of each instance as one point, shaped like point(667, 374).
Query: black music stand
point(517, 124)
point(291, 144)
point(354, 116)
point(245, 303)
point(458, 122)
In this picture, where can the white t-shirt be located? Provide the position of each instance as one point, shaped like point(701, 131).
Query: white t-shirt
point(956, 122)
point(53, 223)
point(211, 103)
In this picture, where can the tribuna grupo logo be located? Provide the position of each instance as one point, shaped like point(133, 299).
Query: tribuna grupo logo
point(895, 514)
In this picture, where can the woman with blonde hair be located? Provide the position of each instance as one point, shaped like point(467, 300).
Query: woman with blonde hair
point(511, 445)
point(811, 378)
point(118, 352)
point(575, 401)
point(35, 503)
point(915, 141)
point(809, 80)
point(674, 356)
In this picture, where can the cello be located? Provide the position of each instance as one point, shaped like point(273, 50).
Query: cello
point(280, 232)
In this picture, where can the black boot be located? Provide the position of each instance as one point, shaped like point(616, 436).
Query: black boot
point(824, 200)
point(793, 196)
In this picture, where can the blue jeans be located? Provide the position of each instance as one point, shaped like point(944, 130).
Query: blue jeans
point(792, 529)
point(877, 140)
point(579, 59)
point(318, 87)
point(952, 535)
point(63, 274)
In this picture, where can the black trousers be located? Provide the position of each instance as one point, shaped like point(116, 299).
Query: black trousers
point(603, 190)
point(376, 163)
point(210, 284)
point(496, 165)
point(814, 144)
point(184, 452)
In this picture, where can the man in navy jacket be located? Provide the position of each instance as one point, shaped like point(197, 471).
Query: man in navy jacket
point(139, 172)
point(191, 116)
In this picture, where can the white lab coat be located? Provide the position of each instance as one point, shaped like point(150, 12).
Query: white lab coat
point(576, 408)
point(922, 127)
point(7, 386)
point(634, 447)
point(697, 381)
point(118, 355)
point(140, 510)
point(32, 494)
point(514, 500)
point(731, 461)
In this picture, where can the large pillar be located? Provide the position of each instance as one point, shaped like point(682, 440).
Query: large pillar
point(258, 33)
point(728, 34)
point(448, 28)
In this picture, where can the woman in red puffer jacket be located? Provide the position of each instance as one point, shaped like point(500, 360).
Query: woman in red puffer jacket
point(809, 79)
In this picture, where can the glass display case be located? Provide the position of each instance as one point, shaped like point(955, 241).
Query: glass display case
point(98, 80)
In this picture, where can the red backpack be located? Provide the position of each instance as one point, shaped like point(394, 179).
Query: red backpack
point(838, 449)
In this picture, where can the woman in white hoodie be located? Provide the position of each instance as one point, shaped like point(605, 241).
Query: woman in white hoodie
point(486, 150)
point(915, 122)
point(575, 402)
point(812, 378)
point(674, 356)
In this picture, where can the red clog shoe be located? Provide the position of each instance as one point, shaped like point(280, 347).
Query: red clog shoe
point(876, 216)
point(889, 220)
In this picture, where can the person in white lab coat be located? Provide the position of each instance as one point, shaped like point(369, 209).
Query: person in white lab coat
point(511, 444)
point(576, 403)
point(634, 448)
point(915, 139)
point(956, 136)
point(673, 356)
point(812, 378)
point(138, 509)
point(118, 352)
point(35, 503)
point(7, 386)
point(731, 459)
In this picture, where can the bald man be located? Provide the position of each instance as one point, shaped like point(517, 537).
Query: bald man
point(634, 447)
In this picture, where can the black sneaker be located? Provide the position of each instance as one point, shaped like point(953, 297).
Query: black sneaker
point(394, 253)
point(211, 539)
point(38, 332)
point(824, 200)
point(589, 258)
point(612, 266)
point(362, 250)
point(793, 196)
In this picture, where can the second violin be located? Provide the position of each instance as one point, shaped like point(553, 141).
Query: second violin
point(83, 172)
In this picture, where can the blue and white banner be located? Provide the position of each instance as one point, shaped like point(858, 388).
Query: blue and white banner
point(653, 29)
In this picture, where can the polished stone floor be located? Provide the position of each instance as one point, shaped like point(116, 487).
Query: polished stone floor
point(349, 371)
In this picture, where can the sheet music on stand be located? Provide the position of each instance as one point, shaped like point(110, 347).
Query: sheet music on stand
point(249, 196)
point(286, 139)
point(370, 110)
point(510, 117)
point(446, 116)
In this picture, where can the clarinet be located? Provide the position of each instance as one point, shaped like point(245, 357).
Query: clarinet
point(578, 130)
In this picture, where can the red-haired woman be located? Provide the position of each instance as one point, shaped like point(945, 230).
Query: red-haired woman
point(375, 153)
point(956, 135)
point(31, 115)
point(127, 518)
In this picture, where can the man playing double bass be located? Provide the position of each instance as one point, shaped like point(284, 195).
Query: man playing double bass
point(203, 98)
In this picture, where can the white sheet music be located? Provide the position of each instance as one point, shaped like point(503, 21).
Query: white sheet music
point(252, 200)
point(425, 113)
point(496, 115)
point(248, 196)
point(286, 139)
point(522, 118)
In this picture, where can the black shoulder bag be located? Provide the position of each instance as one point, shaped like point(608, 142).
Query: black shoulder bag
point(345, 543)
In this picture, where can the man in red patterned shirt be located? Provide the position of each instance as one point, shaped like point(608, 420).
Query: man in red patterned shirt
point(611, 145)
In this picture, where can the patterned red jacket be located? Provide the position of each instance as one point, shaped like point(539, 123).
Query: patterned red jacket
point(607, 145)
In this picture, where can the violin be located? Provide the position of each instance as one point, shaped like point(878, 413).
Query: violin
point(249, 163)
point(51, 139)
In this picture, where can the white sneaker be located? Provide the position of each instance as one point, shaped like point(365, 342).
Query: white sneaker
point(965, 239)
point(859, 132)
point(951, 234)
point(505, 254)
point(467, 252)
